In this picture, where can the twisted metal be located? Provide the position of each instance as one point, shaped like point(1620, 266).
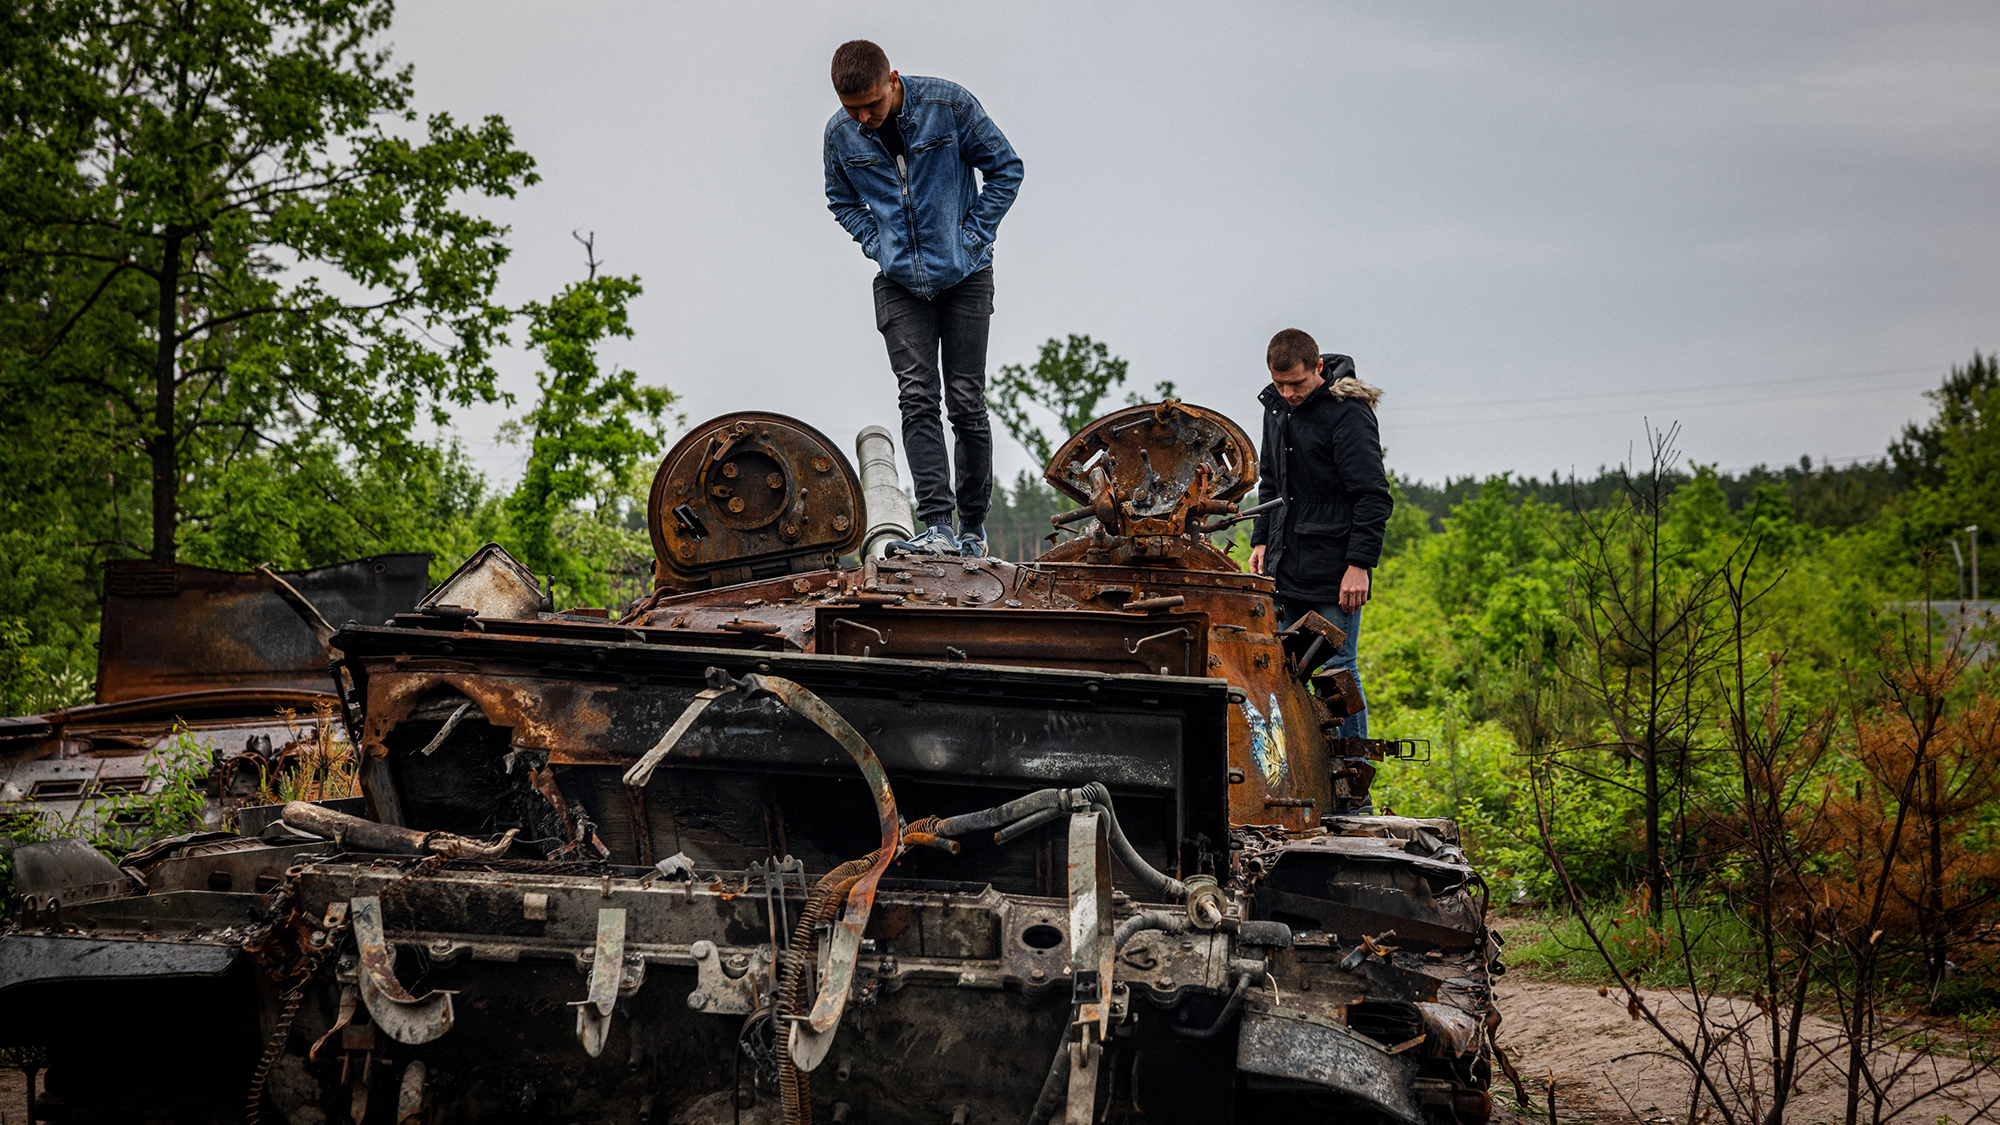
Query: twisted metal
point(295, 994)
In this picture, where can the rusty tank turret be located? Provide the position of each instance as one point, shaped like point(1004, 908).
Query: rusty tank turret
point(900, 839)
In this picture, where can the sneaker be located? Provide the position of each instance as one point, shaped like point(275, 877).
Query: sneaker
point(937, 539)
point(972, 545)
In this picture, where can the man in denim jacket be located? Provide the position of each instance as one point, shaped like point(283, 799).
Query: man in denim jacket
point(899, 161)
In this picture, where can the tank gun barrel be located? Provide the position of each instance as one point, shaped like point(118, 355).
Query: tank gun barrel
point(884, 505)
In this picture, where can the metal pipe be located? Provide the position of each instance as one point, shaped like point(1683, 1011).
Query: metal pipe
point(1001, 816)
point(1023, 827)
point(353, 832)
point(1246, 514)
point(1147, 920)
point(885, 506)
point(362, 835)
point(1093, 795)
point(1159, 881)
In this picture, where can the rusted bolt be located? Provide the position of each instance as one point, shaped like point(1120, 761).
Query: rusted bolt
point(730, 470)
point(1038, 974)
point(319, 937)
point(840, 523)
point(790, 531)
point(697, 1001)
point(1256, 609)
point(1263, 658)
point(775, 480)
point(1236, 775)
point(735, 503)
point(687, 550)
point(441, 946)
point(822, 465)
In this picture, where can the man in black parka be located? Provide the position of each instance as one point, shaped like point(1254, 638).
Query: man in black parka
point(1323, 454)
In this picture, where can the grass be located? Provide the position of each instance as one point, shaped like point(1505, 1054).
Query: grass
point(1553, 945)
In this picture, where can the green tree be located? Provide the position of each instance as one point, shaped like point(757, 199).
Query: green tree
point(1068, 380)
point(586, 435)
point(1922, 453)
point(217, 238)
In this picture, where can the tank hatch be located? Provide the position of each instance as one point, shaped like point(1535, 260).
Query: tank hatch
point(1152, 476)
point(749, 496)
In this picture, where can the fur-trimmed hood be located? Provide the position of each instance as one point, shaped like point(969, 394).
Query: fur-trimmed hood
point(1351, 387)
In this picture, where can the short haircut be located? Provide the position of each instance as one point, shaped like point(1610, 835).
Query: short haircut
point(858, 67)
point(1289, 349)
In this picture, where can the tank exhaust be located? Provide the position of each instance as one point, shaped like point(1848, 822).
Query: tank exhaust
point(886, 506)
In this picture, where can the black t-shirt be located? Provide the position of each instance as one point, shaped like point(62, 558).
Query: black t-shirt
point(892, 136)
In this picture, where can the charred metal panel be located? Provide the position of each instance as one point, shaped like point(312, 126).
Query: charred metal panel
point(752, 778)
point(607, 703)
point(29, 959)
point(1285, 1048)
point(1359, 885)
point(172, 627)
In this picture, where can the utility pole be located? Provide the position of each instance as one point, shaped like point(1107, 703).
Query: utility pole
point(1972, 533)
point(1960, 556)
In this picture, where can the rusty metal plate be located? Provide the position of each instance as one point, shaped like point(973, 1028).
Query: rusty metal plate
point(752, 495)
point(1156, 451)
point(172, 628)
point(1166, 644)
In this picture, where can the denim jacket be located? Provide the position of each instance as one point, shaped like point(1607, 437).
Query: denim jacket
point(924, 222)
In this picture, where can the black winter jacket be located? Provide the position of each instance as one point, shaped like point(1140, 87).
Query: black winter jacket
point(1324, 457)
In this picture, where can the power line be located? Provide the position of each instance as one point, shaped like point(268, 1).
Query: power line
point(1653, 390)
point(1491, 420)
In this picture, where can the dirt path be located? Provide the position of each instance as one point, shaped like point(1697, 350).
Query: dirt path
point(1606, 1068)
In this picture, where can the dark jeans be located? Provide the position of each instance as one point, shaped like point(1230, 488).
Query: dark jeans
point(1290, 610)
point(952, 324)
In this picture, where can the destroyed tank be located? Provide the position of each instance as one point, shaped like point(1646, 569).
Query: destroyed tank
point(915, 839)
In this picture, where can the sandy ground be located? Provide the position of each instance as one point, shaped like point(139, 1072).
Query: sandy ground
point(1608, 1067)
point(14, 1096)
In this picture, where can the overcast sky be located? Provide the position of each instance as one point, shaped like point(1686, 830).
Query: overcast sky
point(1534, 225)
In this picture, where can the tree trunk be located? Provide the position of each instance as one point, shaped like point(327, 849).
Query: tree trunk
point(1934, 927)
point(1656, 882)
point(164, 445)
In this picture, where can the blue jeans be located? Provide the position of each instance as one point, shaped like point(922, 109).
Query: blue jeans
point(1290, 610)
